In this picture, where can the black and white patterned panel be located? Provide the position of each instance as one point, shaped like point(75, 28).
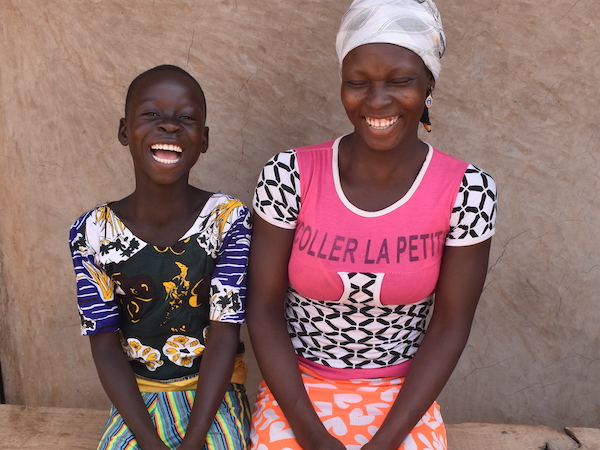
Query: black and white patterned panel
point(358, 332)
point(278, 188)
point(474, 212)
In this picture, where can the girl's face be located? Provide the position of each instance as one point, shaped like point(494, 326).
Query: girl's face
point(164, 127)
point(383, 91)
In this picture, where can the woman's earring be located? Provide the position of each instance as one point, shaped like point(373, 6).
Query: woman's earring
point(425, 118)
point(429, 100)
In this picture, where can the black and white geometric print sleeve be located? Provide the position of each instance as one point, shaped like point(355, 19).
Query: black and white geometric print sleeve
point(474, 214)
point(277, 194)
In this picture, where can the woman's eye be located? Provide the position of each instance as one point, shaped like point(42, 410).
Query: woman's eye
point(356, 83)
point(399, 81)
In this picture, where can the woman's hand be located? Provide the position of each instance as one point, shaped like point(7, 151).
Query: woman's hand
point(328, 443)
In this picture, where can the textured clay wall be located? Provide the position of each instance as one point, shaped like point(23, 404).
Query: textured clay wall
point(517, 96)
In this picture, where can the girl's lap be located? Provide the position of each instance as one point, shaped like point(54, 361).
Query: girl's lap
point(170, 412)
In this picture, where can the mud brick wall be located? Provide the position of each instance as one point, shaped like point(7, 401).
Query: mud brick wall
point(518, 96)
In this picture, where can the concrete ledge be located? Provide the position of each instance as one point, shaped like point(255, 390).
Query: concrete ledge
point(478, 436)
point(36, 428)
point(588, 438)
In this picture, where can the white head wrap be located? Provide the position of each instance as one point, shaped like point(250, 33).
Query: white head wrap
point(413, 24)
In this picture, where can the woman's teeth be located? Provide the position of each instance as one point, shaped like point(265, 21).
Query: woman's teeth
point(381, 124)
point(166, 153)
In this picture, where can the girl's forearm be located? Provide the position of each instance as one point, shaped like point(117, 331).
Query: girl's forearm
point(119, 383)
point(215, 374)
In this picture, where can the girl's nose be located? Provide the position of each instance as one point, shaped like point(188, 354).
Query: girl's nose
point(169, 126)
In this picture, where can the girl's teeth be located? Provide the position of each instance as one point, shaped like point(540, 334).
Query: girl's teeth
point(166, 153)
point(167, 147)
point(164, 161)
point(381, 124)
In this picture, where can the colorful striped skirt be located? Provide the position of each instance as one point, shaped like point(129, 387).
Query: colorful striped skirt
point(170, 412)
point(351, 410)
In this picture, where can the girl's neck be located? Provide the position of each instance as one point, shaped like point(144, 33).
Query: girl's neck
point(163, 214)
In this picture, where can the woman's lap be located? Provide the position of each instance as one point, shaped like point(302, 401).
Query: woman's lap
point(351, 410)
point(170, 413)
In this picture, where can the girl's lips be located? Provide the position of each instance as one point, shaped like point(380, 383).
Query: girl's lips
point(381, 124)
point(166, 153)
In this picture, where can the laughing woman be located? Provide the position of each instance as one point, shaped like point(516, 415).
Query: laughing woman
point(354, 242)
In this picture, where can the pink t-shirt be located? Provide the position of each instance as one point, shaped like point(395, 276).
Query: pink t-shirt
point(362, 283)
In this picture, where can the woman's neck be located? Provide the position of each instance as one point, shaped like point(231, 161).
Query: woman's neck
point(373, 179)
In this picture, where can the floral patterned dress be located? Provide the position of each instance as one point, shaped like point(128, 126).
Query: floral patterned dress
point(161, 299)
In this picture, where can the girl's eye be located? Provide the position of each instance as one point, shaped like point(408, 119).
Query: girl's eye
point(150, 113)
point(187, 118)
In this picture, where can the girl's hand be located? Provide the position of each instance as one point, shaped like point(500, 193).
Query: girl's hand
point(155, 445)
point(187, 446)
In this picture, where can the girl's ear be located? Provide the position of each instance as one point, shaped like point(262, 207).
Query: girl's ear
point(122, 134)
point(205, 140)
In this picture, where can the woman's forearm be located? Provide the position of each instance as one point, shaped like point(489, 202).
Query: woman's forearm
point(459, 287)
point(267, 286)
point(279, 366)
point(430, 369)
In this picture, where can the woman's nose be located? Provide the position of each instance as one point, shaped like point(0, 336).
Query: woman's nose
point(379, 95)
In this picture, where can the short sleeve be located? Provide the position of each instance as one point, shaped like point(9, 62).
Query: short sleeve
point(228, 283)
point(277, 194)
point(98, 310)
point(474, 214)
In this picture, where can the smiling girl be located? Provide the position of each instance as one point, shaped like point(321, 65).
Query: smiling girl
point(161, 283)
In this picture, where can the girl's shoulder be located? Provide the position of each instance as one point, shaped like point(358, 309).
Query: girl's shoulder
point(221, 201)
point(100, 216)
point(222, 209)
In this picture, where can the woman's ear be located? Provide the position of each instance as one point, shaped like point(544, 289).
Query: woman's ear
point(122, 134)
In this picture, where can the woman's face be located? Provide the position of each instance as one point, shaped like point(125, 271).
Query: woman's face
point(383, 91)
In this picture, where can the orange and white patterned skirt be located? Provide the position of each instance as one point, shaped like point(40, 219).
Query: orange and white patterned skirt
point(351, 410)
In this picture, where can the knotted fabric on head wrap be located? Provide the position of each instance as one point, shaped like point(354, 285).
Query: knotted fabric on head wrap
point(413, 24)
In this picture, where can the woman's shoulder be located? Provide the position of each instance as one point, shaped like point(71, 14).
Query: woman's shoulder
point(289, 156)
point(469, 170)
point(323, 146)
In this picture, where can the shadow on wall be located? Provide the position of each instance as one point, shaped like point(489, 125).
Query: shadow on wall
point(2, 400)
